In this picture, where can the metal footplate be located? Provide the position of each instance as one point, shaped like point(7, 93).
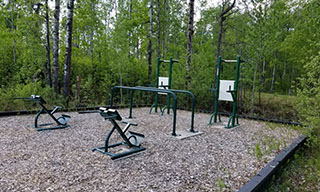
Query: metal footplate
point(131, 140)
point(61, 122)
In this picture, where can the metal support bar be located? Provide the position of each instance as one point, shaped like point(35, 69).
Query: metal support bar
point(112, 116)
point(169, 85)
point(149, 89)
point(229, 61)
point(215, 113)
point(233, 120)
point(60, 124)
point(131, 103)
point(159, 61)
point(55, 109)
point(192, 106)
point(157, 84)
point(51, 115)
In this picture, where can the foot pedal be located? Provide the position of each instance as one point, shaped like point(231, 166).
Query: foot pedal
point(66, 116)
point(135, 138)
point(64, 119)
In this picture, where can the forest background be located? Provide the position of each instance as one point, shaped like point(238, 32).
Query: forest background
point(74, 52)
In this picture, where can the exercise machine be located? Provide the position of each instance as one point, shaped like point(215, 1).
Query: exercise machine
point(226, 90)
point(61, 122)
point(131, 140)
point(163, 83)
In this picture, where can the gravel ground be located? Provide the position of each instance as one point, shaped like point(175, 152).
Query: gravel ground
point(61, 160)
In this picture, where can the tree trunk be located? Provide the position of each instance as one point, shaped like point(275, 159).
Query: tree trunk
point(164, 43)
point(117, 8)
point(223, 16)
point(283, 78)
point(284, 71)
point(67, 65)
point(93, 9)
point(189, 44)
point(131, 46)
point(291, 79)
point(13, 27)
point(159, 29)
point(253, 88)
point(48, 49)
point(77, 93)
point(219, 46)
point(273, 78)
point(263, 76)
point(150, 44)
point(137, 48)
point(55, 65)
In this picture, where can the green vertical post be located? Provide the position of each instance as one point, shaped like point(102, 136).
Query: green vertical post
point(131, 103)
point(234, 94)
point(157, 84)
point(217, 90)
point(235, 102)
point(216, 94)
point(169, 84)
point(155, 105)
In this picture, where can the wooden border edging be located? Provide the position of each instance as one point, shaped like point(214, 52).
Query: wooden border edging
point(262, 179)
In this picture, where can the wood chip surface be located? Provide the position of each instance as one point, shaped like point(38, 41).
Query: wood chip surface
point(62, 160)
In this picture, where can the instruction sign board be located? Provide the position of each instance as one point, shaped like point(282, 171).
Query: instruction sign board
point(226, 85)
point(163, 83)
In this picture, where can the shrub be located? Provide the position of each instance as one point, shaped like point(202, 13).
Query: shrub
point(308, 105)
point(7, 103)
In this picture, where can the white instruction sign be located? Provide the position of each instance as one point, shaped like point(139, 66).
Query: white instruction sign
point(163, 83)
point(226, 85)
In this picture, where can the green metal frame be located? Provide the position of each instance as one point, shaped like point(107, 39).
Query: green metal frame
point(233, 119)
point(193, 98)
point(149, 90)
point(60, 121)
point(156, 90)
point(155, 105)
point(112, 116)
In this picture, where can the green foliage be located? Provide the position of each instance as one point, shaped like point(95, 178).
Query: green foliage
point(258, 151)
point(302, 174)
point(110, 43)
point(221, 184)
point(8, 103)
point(309, 99)
point(276, 106)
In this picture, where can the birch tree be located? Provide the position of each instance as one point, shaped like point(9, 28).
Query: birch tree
point(159, 28)
point(189, 44)
point(55, 64)
point(150, 41)
point(225, 13)
point(48, 48)
point(67, 65)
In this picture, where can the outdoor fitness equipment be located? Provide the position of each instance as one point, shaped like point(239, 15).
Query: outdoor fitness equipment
point(132, 139)
point(157, 90)
point(163, 83)
point(226, 90)
point(61, 121)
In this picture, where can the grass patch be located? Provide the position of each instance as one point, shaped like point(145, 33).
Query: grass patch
point(272, 106)
point(301, 174)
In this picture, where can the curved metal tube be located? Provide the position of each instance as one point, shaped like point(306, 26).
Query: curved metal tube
point(192, 106)
point(151, 90)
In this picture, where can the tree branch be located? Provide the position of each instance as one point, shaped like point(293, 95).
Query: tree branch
point(228, 9)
